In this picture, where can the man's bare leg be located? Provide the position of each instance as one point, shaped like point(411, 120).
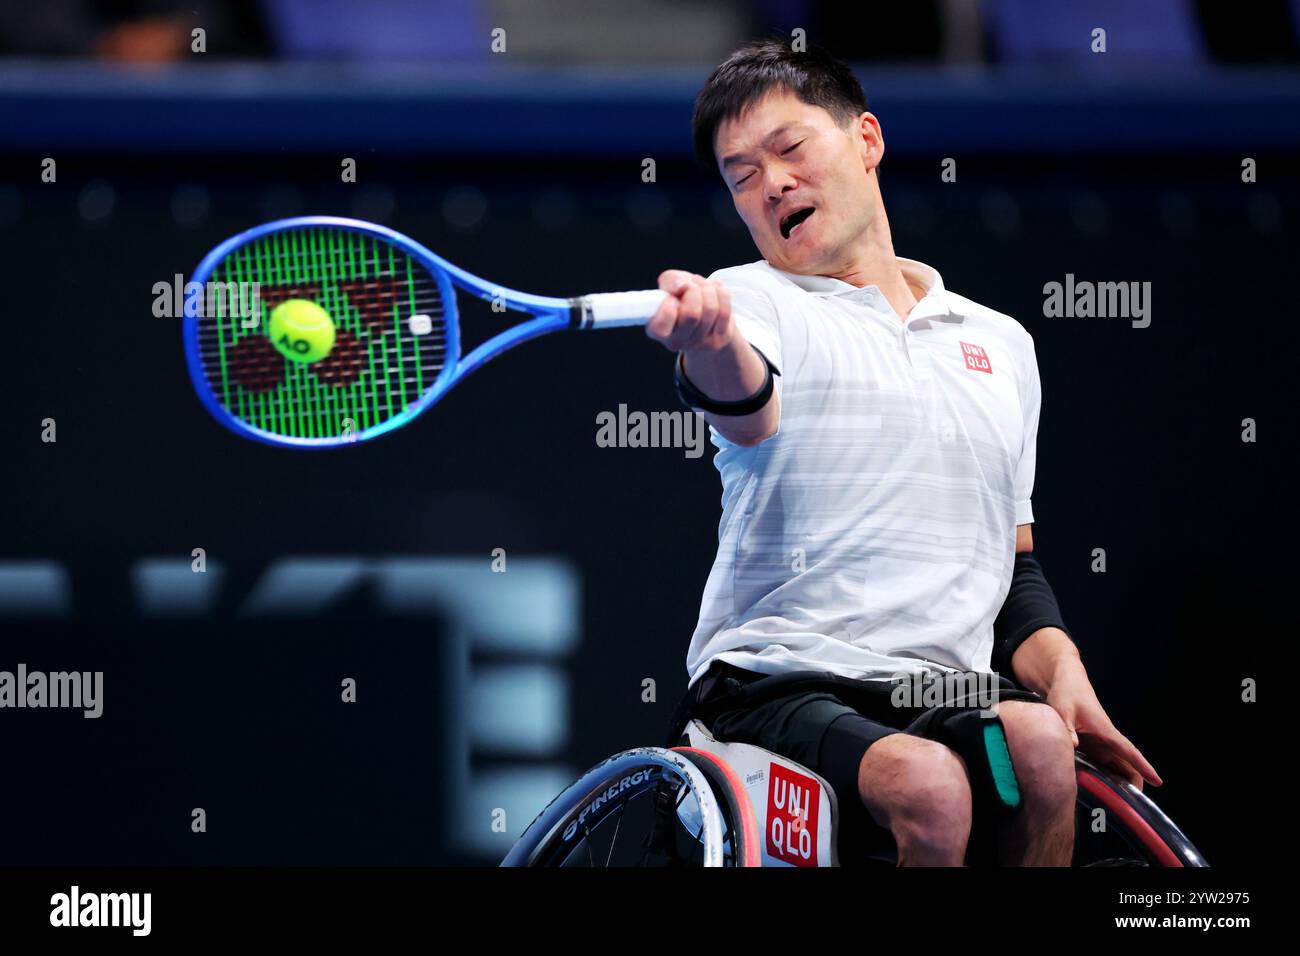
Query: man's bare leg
point(1042, 833)
point(920, 791)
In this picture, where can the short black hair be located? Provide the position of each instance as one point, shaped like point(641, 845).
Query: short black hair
point(758, 67)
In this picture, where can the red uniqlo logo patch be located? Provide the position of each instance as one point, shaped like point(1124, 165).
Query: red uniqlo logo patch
point(792, 803)
point(976, 358)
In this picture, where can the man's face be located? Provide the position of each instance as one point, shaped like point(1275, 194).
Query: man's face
point(783, 156)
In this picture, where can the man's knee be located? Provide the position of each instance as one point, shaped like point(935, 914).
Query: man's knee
point(1042, 753)
point(918, 789)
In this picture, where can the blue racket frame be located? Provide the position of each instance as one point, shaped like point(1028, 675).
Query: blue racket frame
point(550, 315)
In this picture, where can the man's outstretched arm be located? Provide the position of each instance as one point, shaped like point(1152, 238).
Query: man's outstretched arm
point(695, 319)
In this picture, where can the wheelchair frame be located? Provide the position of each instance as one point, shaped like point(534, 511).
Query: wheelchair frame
point(747, 806)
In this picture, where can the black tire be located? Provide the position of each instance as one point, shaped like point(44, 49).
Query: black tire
point(668, 790)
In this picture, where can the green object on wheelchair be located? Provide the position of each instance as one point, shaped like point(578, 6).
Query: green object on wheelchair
point(1004, 776)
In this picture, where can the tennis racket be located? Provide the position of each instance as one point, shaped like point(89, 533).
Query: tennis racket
point(320, 331)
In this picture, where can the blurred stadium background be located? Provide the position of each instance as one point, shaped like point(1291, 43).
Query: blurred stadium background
point(479, 690)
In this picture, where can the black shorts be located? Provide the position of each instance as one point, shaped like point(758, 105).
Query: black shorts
point(819, 730)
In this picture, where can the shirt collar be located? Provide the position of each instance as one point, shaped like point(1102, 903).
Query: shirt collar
point(933, 304)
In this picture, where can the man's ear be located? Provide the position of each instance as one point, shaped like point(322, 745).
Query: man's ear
point(872, 139)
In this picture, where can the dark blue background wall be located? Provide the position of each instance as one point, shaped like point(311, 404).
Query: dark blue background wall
point(238, 712)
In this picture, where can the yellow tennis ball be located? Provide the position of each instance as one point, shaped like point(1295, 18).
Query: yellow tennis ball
point(301, 330)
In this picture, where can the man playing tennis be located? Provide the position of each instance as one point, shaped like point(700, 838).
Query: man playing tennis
point(876, 437)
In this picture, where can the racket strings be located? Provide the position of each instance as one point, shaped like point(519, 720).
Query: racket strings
point(390, 333)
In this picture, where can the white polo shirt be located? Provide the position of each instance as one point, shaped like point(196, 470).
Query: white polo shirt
point(874, 534)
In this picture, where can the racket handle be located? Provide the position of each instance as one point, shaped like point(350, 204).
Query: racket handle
point(610, 310)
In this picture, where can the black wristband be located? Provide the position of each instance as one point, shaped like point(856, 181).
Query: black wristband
point(692, 397)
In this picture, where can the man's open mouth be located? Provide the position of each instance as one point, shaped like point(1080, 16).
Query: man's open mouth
point(789, 222)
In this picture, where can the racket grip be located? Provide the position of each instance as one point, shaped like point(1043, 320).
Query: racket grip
point(610, 310)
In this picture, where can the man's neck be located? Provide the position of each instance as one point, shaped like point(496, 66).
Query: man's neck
point(901, 292)
point(877, 265)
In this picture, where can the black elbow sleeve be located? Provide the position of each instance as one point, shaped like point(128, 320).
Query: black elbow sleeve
point(1030, 605)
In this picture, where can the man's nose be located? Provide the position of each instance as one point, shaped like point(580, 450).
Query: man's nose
point(777, 187)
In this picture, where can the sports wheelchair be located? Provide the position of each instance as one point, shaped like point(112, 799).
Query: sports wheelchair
point(700, 801)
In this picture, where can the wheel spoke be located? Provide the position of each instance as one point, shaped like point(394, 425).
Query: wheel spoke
point(617, 823)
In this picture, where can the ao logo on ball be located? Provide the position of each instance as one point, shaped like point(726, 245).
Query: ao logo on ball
point(301, 330)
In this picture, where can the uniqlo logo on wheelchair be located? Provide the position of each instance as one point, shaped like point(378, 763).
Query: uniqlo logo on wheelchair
point(792, 804)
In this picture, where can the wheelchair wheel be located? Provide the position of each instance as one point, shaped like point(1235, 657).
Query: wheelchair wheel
point(646, 807)
point(1136, 832)
point(740, 826)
